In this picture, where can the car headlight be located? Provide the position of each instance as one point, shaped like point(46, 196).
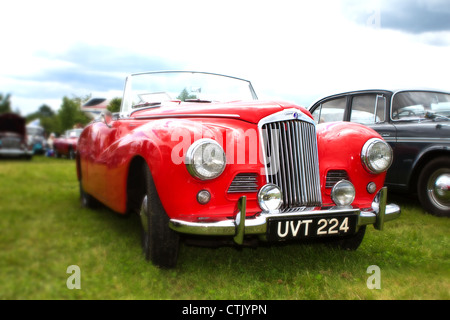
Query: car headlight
point(376, 155)
point(205, 159)
point(343, 193)
point(270, 198)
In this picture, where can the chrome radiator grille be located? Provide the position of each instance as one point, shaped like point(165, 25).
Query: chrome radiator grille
point(292, 162)
point(10, 143)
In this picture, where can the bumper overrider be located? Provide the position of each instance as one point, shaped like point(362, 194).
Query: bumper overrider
point(333, 221)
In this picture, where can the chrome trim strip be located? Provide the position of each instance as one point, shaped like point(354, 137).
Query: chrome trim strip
point(203, 115)
point(422, 140)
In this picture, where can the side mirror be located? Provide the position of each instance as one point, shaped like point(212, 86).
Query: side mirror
point(107, 118)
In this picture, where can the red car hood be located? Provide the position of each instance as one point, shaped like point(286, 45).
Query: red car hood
point(252, 111)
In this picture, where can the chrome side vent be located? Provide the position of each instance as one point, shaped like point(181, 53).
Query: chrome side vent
point(244, 183)
point(292, 162)
point(334, 176)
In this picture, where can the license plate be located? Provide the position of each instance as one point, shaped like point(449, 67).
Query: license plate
point(311, 227)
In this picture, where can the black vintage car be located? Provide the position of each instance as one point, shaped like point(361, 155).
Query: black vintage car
point(13, 139)
point(416, 123)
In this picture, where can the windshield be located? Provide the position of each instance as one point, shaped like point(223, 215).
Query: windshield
point(154, 88)
point(35, 130)
point(417, 105)
point(74, 133)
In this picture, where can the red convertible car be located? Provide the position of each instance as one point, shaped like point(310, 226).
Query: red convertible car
point(66, 145)
point(196, 154)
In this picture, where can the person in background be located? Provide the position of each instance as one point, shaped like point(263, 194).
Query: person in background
point(50, 145)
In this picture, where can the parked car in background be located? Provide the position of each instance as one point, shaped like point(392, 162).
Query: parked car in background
point(36, 138)
point(66, 144)
point(196, 154)
point(13, 140)
point(416, 123)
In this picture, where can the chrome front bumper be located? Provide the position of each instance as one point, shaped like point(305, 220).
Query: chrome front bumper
point(241, 226)
point(15, 152)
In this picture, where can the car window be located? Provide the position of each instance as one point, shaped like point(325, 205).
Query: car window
point(331, 110)
point(417, 105)
point(368, 109)
point(443, 108)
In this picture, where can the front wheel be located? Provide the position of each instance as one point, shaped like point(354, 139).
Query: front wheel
point(86, 200)
point(350, 243)
point(159, 243)
point(433, 187)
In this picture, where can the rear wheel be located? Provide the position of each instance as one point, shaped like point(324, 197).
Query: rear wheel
point(159, 243)
point(71, 154)
point(86, 200)
point(433, 187)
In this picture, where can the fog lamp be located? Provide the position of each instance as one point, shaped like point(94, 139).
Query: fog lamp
point(343, 193)
point(270, 197)
point(203, 197)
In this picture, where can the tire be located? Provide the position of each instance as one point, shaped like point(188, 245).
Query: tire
point(160, 244)
point(71, 154)
point(350, 243)
point(435, 199)
point(86, 200)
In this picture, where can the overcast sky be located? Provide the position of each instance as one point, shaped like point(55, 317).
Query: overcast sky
point(297, 50)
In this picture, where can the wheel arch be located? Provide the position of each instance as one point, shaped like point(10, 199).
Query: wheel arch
point(135, 184)
point(78, 165)
point(420, 163)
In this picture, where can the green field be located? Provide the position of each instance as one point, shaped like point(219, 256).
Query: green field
point(44, 230)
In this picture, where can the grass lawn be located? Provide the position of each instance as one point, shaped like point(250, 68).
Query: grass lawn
point(43, 231)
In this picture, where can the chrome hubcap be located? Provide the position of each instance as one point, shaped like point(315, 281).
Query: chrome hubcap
point(439, 189)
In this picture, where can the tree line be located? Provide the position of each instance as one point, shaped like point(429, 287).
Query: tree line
point(68, 116)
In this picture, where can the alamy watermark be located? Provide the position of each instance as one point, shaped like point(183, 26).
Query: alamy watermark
point(242, 146)
point(374, 20)
point(74, 280)
point(374, 281)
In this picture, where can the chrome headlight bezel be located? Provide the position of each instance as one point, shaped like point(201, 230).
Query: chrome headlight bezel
point(376, 163)
point(195, 159)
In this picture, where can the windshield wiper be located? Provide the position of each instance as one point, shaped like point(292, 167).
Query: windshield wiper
point(197, 100)
point(147, 104)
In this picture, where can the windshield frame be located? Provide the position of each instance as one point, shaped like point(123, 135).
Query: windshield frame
point(127, 107)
